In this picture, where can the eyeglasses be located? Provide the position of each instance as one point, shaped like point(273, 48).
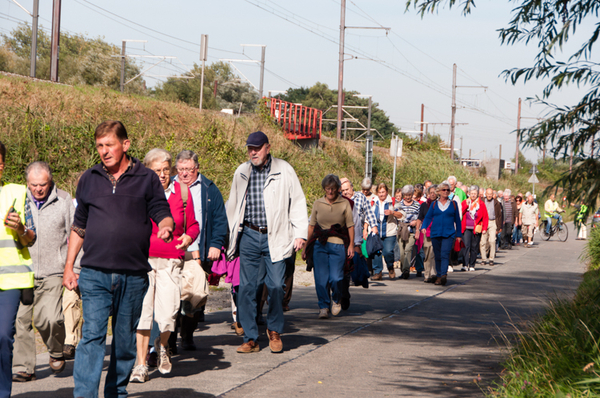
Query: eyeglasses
point(185, 170)
point(444, 190)
point(163, 171)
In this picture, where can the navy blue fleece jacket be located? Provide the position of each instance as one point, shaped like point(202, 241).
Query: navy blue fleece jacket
point(117, 221)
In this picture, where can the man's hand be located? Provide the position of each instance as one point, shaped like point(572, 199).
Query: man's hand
point(185, 242)
point(375, 230)
point(299, 244)
point(165, 233)
point(417, 234)
point(70, 279)
point(350, 251)
point(413, 223)
point(387, 212)
point(213, 254)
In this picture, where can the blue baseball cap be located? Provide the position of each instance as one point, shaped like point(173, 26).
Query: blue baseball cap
point(258, 138)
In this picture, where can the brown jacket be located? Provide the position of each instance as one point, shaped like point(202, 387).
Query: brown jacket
point(499, 216)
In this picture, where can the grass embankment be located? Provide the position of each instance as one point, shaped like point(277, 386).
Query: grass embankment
point(55, 123)
point(559, 356)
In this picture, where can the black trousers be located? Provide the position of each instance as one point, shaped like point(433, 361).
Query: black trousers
point(507, 229)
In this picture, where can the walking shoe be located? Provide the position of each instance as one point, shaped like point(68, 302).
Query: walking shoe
point(69, 351)
point(471, 268)
point(377, 277)
point(450, 269)
point(22, 377)
point(164, 357)
point(464, 268)
point(324, 313)
point(239, 330)
point(57, 365)
point(345, 302)
point(405, 274)
point(139, 374)
point(248, 347)
point(444, 280)
point(152, 359)
point(438, 281)
point(188, 345)
point(275, 343)
point(335, 308)
point(286, 308)
point(419, 274)
point(491, 263)
point(392, 273)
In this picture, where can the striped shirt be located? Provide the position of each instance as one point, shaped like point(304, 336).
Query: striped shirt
point(411, 212)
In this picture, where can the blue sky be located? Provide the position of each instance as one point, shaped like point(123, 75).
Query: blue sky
point(413, 63)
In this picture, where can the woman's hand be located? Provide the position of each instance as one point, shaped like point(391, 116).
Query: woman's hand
point(185, 242)
point(417, 234)
point(351, 251)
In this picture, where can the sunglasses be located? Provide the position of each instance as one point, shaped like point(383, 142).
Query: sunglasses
point(444, 190)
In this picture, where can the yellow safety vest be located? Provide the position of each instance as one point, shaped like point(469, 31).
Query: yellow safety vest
point(15, 262)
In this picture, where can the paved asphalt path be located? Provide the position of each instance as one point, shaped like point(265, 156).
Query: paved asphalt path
point(399, 338)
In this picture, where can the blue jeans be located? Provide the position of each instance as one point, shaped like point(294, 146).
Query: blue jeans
point(101, 290)
point(9, 304)
point(329, 262)
point(549, 221)
point(441, 250)
point(257, 268)
point(517, 236)
point(388, 253)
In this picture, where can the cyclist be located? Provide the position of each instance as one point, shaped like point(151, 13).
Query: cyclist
point(551, 210)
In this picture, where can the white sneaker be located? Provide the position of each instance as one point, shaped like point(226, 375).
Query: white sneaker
point(450, 269)
point(164, 357)
point(139, 374)
point(335, 308)
point(471, 269)
point(464, 268)
point(323, 313)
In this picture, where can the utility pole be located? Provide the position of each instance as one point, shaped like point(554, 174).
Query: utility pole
point(55, 42)
point(123, 65)
point(422, 120)
point(500, 153)
point(452, 121)
point(518, 139)
point(262, 70)
point(341, 70)
point(369, 138)
point(203, 51)
point(461, 141)
point(34, 31)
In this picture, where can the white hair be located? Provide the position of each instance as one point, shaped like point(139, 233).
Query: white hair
point(452, 178)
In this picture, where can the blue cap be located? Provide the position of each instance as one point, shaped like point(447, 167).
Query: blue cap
point(258, 138)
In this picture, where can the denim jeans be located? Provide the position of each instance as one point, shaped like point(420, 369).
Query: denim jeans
point(549, 221)
point(101, 290)
point(441, 250)
point(9, 304)
point(388, 253)
point(329, 262)
point(257, 268)
point(517, 235)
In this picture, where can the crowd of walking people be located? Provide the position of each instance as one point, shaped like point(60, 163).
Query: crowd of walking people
point(130, 242)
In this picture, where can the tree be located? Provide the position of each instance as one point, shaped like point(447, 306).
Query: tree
point(550, 24)
point(231, 91)
point(82, 60)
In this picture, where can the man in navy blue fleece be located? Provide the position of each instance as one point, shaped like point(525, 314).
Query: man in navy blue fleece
point(116, 199)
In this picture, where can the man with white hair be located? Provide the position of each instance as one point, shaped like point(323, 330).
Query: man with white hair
point(52, 210)
point(509, 210)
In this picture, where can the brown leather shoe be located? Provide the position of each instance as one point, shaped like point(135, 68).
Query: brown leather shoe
point(377, 277)
point(444, 280)
point(248, 347)
point(22, 377)
point(69, 351)
point(392, 273)
point(275, 343)
point(57, 364)
point(239, 330)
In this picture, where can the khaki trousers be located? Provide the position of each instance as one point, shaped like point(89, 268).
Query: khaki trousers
point(488, 242)
point(163, 297)
point(406, 251)
point(528, 231)
point(429, 261)
point(71, 303)
point(46, 312)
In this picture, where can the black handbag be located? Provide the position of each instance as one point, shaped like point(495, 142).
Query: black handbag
point(27, 296)
point(374, 245)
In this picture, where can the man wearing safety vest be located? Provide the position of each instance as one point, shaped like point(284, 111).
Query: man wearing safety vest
point(580, 221)
point(551, 210)
point(16, 235)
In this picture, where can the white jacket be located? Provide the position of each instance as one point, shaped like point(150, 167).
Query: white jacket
point(285, 207)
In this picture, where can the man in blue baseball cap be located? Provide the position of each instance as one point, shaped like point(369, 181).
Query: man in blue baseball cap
point(267, 208)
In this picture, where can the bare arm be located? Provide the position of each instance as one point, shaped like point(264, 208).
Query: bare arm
point(69, 277)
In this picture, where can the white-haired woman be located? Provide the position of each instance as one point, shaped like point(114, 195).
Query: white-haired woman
point(474, 223)
point(162, 300)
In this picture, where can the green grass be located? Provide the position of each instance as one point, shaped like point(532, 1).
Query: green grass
point(559, 354)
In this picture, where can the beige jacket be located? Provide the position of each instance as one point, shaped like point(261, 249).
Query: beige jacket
point(285, 207)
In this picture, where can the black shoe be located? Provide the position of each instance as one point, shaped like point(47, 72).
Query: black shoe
point(365, 283)
point(419, 274)
point(188, 345)
point(152, 359)
point(405, 274)
point(345, 302)
point(69, 351)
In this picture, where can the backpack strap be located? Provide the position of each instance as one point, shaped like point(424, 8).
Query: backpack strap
point(184, 197)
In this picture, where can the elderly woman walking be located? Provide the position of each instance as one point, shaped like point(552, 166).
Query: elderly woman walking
point(474, 223)
point(406, 228)
point(387, 227)
point(330, 243)
point(443, 217)
point(161, 302)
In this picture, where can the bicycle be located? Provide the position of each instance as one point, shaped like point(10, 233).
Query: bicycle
point(559, 229)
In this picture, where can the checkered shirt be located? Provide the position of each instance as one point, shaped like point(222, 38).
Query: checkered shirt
point(255, 202)
point(364, 209)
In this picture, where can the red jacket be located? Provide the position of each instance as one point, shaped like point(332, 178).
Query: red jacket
point(481, 217)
